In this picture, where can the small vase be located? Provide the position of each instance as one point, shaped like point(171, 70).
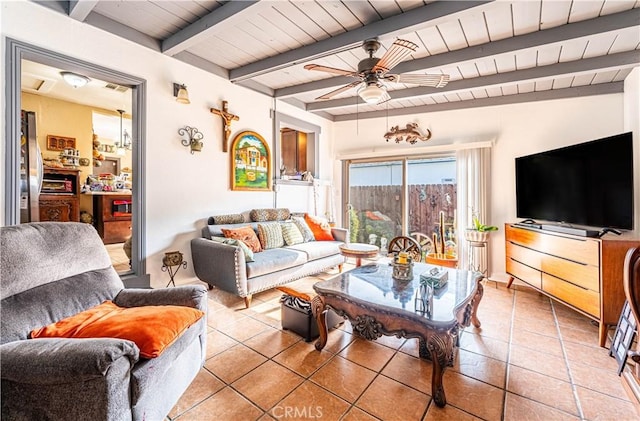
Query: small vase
point(476, 236)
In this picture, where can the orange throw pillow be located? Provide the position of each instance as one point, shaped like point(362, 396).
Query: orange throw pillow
point(152, 328)
point(320, 227)
point(245, 234)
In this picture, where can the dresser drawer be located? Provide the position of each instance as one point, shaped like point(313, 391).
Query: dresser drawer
point(524, 255)
point(524, 273)
point(583, 299)
point(579, 250)
point(585, 276)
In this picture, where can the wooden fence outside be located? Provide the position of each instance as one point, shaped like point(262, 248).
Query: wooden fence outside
point(425, 203)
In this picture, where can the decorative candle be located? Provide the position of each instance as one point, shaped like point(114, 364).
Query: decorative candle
point(402, 257)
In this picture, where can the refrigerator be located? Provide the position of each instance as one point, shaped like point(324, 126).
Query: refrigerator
point(30, 168)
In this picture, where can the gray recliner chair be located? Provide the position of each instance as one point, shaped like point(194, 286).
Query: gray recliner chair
point(52, 270)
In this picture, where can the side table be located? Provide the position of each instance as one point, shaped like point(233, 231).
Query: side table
point(359, 251)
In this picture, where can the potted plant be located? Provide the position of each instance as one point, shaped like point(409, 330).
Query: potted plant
point(479, 232)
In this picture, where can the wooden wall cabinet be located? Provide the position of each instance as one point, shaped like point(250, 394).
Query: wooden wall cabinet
point(582, 273)
point(113, 226)
point(59, 200)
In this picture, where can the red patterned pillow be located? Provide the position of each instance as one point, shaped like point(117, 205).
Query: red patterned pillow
point(245, 234)
point(320, 227)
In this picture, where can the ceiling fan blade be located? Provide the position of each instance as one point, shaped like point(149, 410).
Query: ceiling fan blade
point(398, 51)
point(436, 81)
point(330, 70)
point(385, 97)
point(335, 92)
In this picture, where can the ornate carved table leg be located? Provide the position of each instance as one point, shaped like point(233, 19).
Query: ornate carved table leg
point(320, 314)
point(476, 303)
point(441, 350)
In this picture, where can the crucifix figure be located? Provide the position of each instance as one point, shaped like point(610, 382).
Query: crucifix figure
point(227, 117)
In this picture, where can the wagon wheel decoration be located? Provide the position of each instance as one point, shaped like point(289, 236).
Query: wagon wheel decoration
point(408, 244)
point(426, 244)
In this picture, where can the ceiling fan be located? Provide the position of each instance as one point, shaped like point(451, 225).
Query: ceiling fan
point(373, 72)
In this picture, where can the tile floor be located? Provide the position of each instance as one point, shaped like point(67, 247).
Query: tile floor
point(531, 360)
point(119, 259)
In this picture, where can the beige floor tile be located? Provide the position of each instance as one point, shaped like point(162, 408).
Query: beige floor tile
point(391, 341)
point(367, 353)
point(473, 396)
point(271, 342)
point(590, 355)
point(585, 335)
point(480, 368)
point(268, 384)
point(410, 347)
point(530, 324)
point(344, 378)
point(303, 358)
point(204, 385)
point(448, 413)
point(234, 363)
point(310, 401)
point(226, 299)
point(414, 372)
point(537, 342)
point(546, 390)
point(492, 327)
point(517, 408)
point(338, 340)
point(599, 407)
point(484, 345)
point(540, 362)
point(244, 329)
point(599, 380)
point(382, 397)
point(226, 405)
point(225, 316)
point(218, 342)
point(357, 414)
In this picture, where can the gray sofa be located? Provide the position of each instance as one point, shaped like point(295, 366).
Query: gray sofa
point(224, 266)
point(53, 270)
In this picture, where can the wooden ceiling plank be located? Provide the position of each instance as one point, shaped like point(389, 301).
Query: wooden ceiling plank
point(494, 91)
point(432, 40)
point(582, 10)
point(453, 35)
point(605, 77)
point(622, 74)
point(286, 25)
point(543, 85)
point(590, 65)
point(526, 59)
point(342, 14)
point(474, 28)
point(554, 13)
point(509, 90)
point(573, 50)
point(582, 80)
point(80, 9)
point(204, 27)
point(601, 89)
point(486, 66)
point(503, 50)
point(479, 93)
point(526, 16)
point(295, 15)
point(599, 45)
point(626, 40)
point(320, 16)
point(615, 6)
point(550, 54)
point(123, 31)
point(526, 87)
point(562, 82)
point(363, 11)
point(468, 70)
point(385, 8)
point(402, 23)
point(499, 22)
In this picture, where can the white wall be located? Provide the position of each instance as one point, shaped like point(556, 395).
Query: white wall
point(632, 124)
point(516, 130)
point(182, 189)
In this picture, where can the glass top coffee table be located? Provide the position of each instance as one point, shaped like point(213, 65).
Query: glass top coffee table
point(376, 304)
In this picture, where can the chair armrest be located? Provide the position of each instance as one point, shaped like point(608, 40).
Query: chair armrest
point(64, 360)
point(340, 234)
point(220, 265)
point(194, 296)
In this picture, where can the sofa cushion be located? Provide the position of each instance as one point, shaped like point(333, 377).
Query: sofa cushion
point(271, 214)
point(291, 233)
point(232, 218)
point(248, 253)
point(245, 234)
point(317, 249)
point(320, 228)
point(302, 225)
point(270, 235)
point(273, 260)
point(152, 328)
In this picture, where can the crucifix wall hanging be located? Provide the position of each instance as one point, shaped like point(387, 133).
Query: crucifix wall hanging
point(227, 118)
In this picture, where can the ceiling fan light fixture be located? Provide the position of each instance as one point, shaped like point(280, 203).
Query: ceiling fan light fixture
point(74, 79)
point(371, 94)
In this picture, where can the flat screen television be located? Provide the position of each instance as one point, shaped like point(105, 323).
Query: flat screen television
point(589, 184)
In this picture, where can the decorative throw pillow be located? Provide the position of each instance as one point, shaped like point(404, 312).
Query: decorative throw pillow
point(248, 254)
point(320, 227)
point(270, 235)
point(233, 218)
point(270, 214)
point(291, 234)
point(245, 234)
point(306, 232)
point(152, 328)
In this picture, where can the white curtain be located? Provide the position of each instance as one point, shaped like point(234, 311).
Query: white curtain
point(473, 178)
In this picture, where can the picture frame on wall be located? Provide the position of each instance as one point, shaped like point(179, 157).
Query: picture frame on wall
point(250, 162)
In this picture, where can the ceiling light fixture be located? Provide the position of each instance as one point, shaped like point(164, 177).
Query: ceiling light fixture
point(74, 79)
point(371, 94)
point(181, 94)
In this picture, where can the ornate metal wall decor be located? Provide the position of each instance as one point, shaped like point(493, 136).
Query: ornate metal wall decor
point(410, 133)
point(194, 138)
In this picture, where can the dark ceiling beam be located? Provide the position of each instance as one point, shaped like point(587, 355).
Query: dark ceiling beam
point(419, 17)
point(203, 64)
point(203, 27)
point(80, 9)
point(622, 20)
point(123, 31)
point(589, 90)
point(601, 63)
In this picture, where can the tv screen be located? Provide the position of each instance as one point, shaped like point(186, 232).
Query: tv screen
point(589, 184)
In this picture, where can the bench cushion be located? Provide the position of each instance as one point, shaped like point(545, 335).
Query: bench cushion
point(317, 249)
point(273, 260)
